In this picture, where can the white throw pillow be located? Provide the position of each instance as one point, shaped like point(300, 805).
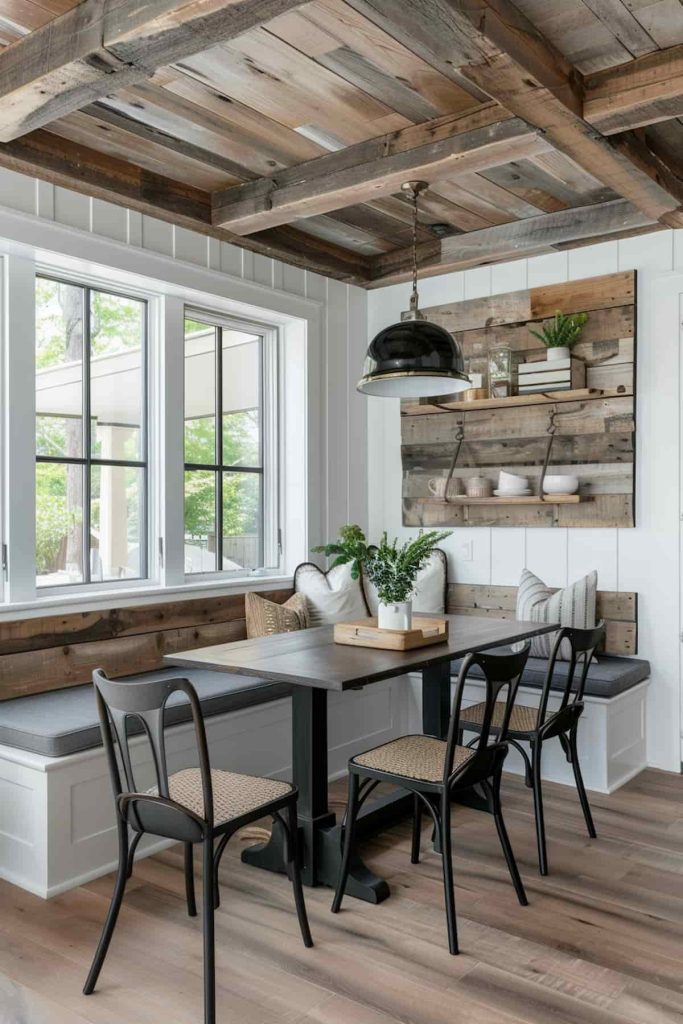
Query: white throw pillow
point(429, 597)
point(331, 596)
point(572, 606)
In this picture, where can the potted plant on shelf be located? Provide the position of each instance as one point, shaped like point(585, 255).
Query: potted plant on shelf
point(561, 334)
point(391, 568)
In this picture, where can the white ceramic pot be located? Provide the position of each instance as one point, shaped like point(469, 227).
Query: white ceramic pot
point(395, 616)
point(559, 352)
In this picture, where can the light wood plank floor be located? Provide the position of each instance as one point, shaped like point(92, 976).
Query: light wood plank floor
point(600, 943)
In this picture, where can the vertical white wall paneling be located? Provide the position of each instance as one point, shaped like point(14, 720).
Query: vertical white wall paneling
point(17, 191)
point(19, 425)
point(170, 384)
point(644, 559)
point(357, 410)
point(157, 236)
point(73, 209)
point(337, 370)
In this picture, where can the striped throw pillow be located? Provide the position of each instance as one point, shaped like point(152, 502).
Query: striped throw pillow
point(572, 606)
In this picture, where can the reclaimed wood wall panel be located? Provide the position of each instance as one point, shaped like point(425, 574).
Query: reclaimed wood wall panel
point(619, 609)
point(56, 651)
point(594, 428)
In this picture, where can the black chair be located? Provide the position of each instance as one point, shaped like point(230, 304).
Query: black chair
point(196, 805)
point(537, 725)
point(434, 769)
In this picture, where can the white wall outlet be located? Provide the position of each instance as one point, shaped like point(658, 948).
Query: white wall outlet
point(467, 551)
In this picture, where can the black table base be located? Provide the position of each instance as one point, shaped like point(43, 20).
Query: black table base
point(320, 835)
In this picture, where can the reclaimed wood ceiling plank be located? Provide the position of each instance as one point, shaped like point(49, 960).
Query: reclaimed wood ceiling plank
point(642, 92)
point(374, 168)
point(268, 75)
point(76, 58)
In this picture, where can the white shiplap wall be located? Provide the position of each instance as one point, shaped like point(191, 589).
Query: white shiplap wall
point(343, 473)
point(645, 559)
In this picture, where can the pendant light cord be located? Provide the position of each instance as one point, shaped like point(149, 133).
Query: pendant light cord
point(413, 297)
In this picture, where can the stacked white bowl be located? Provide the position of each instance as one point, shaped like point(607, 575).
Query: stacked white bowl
point(512, 486)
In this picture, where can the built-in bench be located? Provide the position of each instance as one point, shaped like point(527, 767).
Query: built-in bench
point(612, 737)
point(57, 825)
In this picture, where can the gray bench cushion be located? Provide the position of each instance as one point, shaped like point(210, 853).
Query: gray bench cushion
point(65, 721)
point(606, 678)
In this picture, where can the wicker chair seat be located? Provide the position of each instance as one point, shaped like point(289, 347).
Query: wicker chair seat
point(522, 719)
point(412, 757)
point(233, 794)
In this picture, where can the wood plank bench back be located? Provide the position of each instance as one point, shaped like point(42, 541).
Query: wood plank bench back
point(56, 651)
point(619, 609)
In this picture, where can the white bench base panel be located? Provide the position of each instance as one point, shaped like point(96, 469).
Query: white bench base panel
point(57, 826)
point(612, 736)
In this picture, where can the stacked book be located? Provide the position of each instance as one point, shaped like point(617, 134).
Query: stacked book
point(551, 375)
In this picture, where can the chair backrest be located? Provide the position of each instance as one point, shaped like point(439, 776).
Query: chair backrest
point(119, 701)
point(580, 645)
point(500, 671)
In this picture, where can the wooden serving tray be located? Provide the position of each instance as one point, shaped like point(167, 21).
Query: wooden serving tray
point(366, 633)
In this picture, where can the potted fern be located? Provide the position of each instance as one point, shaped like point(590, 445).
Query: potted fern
point(561, 334)
point(391, 567)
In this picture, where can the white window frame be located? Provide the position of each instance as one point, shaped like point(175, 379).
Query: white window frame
point(270, 439)
point(29, 245)
point(94, 282)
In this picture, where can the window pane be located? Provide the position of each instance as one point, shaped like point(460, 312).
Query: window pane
point(116, 522)
point(200, 521)
point(241, 399)
point(59, 368)
point(59, 524)
point(200, 393)
point(117, 334)
point(242, 535)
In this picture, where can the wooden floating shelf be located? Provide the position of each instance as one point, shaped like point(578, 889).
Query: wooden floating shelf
point(531, 499)
point(423, 408)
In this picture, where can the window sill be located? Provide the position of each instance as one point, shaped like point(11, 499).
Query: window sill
point(151, 593)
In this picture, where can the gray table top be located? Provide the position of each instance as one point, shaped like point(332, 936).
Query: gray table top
point(311, 658)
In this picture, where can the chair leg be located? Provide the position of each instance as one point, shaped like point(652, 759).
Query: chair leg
point(578, 778)
point(538, 807)
point(293, 851)
point(208, 930)
point(189, 880)
point(417, 830)
point(137, 836)
point(113, 913)
point(447, 865)
point(494, 788)
point(351, 811)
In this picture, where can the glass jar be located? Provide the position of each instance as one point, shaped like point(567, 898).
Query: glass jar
point(500, 371)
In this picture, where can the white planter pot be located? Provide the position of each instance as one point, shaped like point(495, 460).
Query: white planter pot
point(395, 616)
point(560, 352)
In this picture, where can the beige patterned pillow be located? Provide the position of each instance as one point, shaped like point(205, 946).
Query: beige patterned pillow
point(265, 618)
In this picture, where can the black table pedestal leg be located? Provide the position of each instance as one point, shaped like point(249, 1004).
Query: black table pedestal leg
point(320, 836)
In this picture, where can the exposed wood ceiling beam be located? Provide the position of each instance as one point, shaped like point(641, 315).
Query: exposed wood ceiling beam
point(526, 74)
point(66, 163)
point(512, 241)
point(102, 45)
point(641, 92)
point(472, 141)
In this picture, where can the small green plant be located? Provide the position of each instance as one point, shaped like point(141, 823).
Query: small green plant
point(351, 547)
point(391, 568)
point(563, 330)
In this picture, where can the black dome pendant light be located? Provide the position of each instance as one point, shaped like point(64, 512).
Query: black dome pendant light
point(413, 358)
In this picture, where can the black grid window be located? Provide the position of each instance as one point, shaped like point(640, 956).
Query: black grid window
point(224, 447)
point(91, 434)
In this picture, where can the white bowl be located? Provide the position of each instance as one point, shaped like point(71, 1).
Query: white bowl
point(561, 484)
point(510, 481)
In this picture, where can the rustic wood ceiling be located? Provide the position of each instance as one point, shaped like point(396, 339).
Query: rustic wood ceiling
point(288, 127)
